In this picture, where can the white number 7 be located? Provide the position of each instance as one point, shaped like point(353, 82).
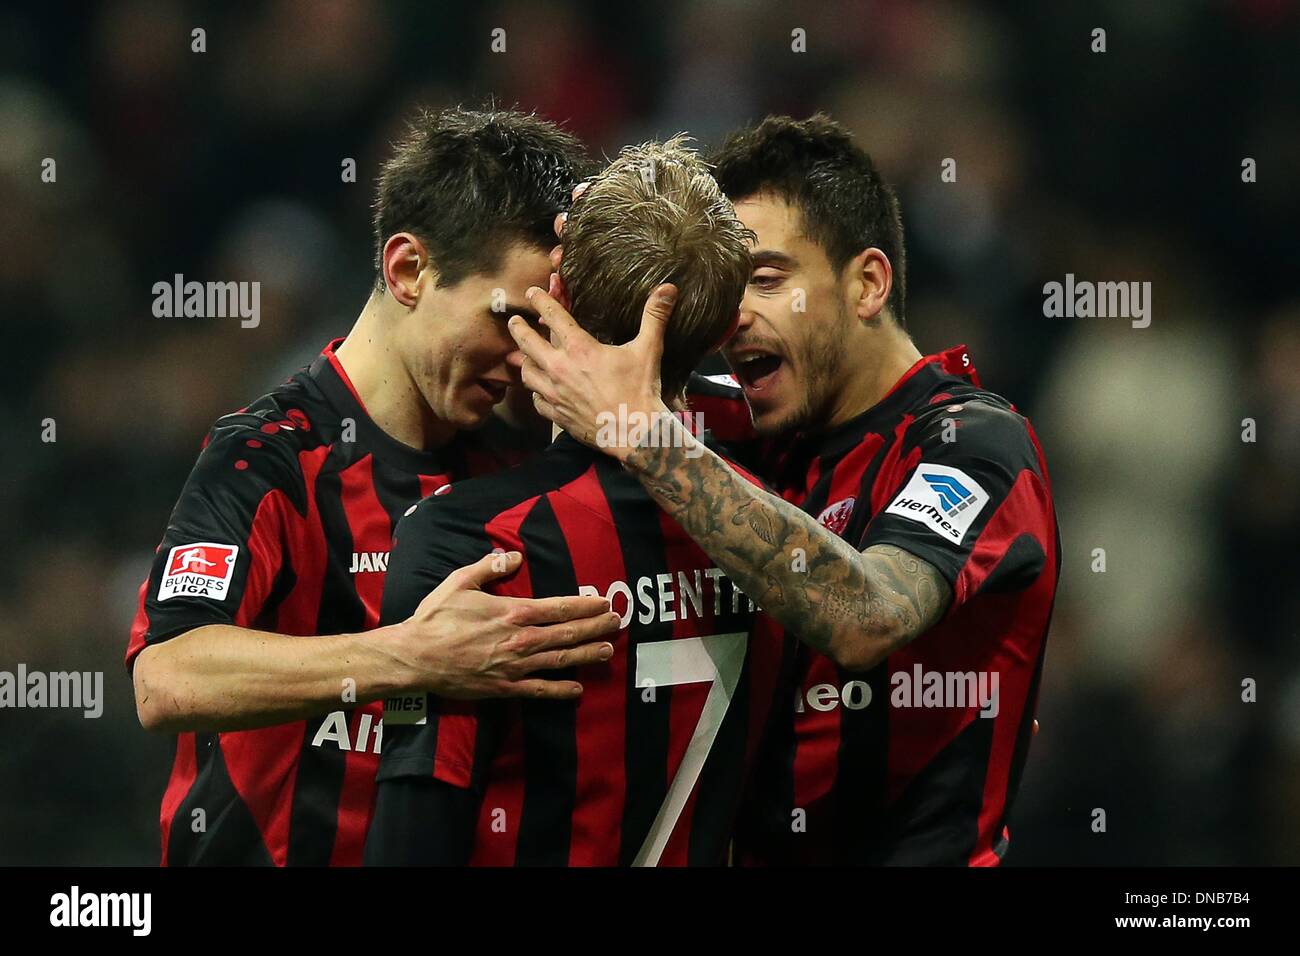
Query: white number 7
point(716, 658)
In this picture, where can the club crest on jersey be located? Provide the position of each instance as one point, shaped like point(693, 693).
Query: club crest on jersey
point(836, 517)
point(944, 499)
point(198, 570)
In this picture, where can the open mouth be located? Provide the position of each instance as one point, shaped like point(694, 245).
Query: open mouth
point(756, 370)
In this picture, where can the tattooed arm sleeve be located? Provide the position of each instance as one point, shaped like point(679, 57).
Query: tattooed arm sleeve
point(854, 607)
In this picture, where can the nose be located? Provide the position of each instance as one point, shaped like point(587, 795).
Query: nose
point(747, 313)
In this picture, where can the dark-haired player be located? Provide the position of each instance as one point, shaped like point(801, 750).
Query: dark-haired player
point(647, 767)
point(912, 543)
point(255, 639)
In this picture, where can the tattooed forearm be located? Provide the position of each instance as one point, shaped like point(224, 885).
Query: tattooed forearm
point(854, 607)
point(752, 515)
point(904, 587)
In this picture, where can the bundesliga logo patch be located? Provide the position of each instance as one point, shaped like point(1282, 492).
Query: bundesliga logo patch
point(947, 500)
point(198, 570)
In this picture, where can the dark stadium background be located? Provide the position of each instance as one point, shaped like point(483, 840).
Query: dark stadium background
point(1120, 166)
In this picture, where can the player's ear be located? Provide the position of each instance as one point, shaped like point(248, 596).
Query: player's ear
point(871, 279)
point(404, 259)
point(558, 292)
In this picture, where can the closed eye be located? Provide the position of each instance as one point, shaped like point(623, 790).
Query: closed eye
point(766, 279)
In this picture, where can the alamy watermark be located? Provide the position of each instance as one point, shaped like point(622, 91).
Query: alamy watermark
point(208, 300)
point(133, 911)
point(75, 690)
point(626, 429)
point(1084, 299)
point(958, 690)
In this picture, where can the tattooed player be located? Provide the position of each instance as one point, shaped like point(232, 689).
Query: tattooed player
point(912, 543)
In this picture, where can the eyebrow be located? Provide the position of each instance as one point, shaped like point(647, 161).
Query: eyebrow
point(770, 257)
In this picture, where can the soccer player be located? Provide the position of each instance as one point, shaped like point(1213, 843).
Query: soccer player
point(255, 638)
point(913, 544)
point(647, 767)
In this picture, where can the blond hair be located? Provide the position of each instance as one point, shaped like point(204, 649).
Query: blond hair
point(656, 215)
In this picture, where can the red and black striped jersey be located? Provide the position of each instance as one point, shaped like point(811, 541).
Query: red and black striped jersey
point(285, 525)
point(647, 767)
point(918, 760)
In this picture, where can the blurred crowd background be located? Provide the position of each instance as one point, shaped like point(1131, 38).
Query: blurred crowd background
point(1122, 166)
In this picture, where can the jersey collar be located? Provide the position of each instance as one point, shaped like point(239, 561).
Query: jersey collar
point(328, 373)
point(924, 374)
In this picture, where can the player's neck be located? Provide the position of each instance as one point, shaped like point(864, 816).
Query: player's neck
point(385, 388)
point(889, 355)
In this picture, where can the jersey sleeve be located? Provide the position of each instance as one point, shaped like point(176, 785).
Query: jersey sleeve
point(971, 498)
point(426, 735)
point(223, 553)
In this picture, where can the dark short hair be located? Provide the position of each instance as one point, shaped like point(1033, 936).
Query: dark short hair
point(656, 215)
point(815, 166)
point(470, 183)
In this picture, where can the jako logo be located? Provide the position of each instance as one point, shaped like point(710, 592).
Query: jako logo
point(952, 493)
point(363, 561)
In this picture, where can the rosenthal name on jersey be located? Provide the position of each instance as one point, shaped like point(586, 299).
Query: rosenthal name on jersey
point(665, 597)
